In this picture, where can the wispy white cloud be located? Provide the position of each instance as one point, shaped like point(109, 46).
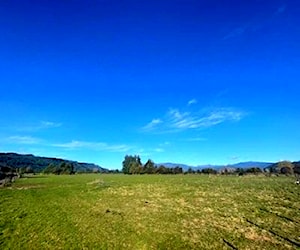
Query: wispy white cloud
point(176, 120)
point(196, 139)
point(72, 145)
point(254, 24)
point(49, 124)
point(166, 143)
point(191, 121)
point(152, 125)
point(23, 140)
point(191, 102)
point(180, 120)
point(149, 152)
point(97, 146)
point(234, 158)
point(39, 126)
point(159, 150)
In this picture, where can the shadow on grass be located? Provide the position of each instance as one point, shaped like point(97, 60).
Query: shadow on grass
point(280, 216)
point(293, 242)
point(229, 244)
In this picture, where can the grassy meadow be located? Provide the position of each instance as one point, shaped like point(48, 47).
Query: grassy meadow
point(100, 211)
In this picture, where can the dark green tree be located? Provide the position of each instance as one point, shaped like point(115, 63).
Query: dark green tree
point(163, 170)
point(177, 170)
point(131, 164)
point(190, 171)
point(135, 168)
point(254, 170)
point(209, 171)
point(149, 167)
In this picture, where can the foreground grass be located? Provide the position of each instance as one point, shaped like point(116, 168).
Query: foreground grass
point(150, 212)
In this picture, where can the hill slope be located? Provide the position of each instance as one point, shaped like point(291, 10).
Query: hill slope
point(38, 164)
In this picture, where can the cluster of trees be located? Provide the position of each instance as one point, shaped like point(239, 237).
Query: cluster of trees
point(285, 167)
point(202, 171)
point(133, 165)
point(226, 171)
point(7, 175)
point(253, 170)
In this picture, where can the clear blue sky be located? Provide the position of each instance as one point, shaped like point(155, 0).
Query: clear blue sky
point(192, 82)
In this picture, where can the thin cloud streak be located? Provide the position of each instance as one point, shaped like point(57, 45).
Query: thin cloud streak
point(40, 126)
point(196, 139)
point(23, 140)
point(253, 26)
point(73, 145)
point(97, 146)
point(49, 124)
point(152, 125)
point(192, 121)
point(191, 102)
point(176, 120)
point(236, 32)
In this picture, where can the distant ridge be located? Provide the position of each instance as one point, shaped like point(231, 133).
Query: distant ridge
point(247, 164)
point(250, 164)
point(174, 165)
point(38, 164)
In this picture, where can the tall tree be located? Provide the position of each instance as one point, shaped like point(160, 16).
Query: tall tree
point(149, 167)
point(131, 164)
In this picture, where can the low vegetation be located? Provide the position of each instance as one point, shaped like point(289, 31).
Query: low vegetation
point(105, 211)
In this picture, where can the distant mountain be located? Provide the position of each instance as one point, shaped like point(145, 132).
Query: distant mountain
point(248, 164)
point(174, 165)
point(216, 167)
point(38, 164)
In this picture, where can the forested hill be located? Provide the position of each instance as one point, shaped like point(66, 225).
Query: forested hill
point(39, 164)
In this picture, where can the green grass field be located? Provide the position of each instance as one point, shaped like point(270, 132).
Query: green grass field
point(150, 212)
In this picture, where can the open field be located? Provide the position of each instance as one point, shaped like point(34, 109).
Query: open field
point(150, 212)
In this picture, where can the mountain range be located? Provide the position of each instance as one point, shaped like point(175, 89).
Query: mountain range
point(248, 164)
point(38, 164)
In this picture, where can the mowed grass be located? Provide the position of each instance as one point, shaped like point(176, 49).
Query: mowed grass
point(150, 212)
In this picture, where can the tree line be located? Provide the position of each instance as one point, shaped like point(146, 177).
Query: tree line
point(133, 165)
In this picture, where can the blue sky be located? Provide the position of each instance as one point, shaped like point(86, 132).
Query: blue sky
point(195, 82)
